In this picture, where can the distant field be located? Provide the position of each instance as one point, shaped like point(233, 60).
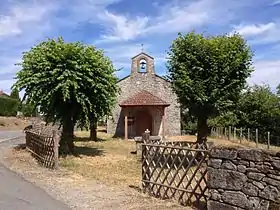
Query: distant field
point(12, 123)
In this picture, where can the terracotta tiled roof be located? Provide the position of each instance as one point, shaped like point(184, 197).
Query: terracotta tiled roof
point(144, 98)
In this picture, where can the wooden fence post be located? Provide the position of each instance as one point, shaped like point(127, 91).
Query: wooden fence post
point(234, 133)
point(268, 140)
point(257, 140)
point(248, 134)
point(146, 160)
point(41, 129)
point(27, 138)
point(241, 135)
point(229, 132)
point(144, 166)
point(56, 139)
point(146, 137)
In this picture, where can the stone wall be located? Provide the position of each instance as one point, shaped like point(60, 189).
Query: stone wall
point(242, 178)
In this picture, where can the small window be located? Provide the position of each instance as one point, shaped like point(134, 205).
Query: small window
point(142, 66)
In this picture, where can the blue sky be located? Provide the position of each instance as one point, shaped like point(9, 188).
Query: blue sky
point(121, 26)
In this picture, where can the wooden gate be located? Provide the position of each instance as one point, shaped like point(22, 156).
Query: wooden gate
point(176, 170)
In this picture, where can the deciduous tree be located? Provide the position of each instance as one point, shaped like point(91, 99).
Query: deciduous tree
point(71, 82)
point(208, 74)
point(259, 108)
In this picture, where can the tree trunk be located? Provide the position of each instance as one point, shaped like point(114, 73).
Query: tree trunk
point(93, 131)
point(67, 138)
point(202, 130)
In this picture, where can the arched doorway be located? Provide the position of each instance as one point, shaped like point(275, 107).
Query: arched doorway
point(143, 121)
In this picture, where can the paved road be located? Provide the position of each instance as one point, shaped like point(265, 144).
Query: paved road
point(19, 194)
point(10, 134)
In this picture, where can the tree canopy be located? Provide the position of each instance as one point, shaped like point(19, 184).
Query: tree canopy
point(208, 74)
point(71, 82)
point(15, 94)
point(258, 107)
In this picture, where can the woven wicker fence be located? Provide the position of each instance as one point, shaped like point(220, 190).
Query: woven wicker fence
point(43, 142)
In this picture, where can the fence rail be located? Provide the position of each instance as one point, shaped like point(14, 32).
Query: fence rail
point(246, 135)
point(43, 144)
point(175, 170)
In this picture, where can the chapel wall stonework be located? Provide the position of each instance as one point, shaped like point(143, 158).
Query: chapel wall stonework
point(156, 86)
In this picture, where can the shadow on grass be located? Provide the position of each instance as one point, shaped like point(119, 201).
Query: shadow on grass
point(87, 151)
point(201, 205)
point(86, 139)
point(102, 130)
point(137, 188)
point(20, 147)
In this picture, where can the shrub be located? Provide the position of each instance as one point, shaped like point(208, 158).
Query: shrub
point(8, 106)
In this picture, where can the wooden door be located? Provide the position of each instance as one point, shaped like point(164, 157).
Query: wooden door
point(143, 122)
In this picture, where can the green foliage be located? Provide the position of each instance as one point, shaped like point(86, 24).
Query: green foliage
point(259, 108)
point(208, 73)
point(28, 110)
point(8, 106)
point(188, 122)
point(71, 82)
point(278, 90)
point(224, 120)
point(15, 94)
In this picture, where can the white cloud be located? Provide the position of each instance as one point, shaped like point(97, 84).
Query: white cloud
point(276, 2)
point(14, 22)
point(260, 33)
point(254, 29)
point(181, 17)
point(122, 28)
point(271, 36)
point(125, 51)
point(172, 17)
point(266, 71)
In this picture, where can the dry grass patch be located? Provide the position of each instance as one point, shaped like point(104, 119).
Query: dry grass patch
point(12, 123)
point(243, 143)
point(108, 160)
point(225, 142)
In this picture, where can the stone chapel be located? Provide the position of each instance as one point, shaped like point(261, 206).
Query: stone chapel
point(146, 101)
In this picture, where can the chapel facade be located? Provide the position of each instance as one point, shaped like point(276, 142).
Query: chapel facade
point(146, 101)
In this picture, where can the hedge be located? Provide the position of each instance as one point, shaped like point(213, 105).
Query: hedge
point(8, 106)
